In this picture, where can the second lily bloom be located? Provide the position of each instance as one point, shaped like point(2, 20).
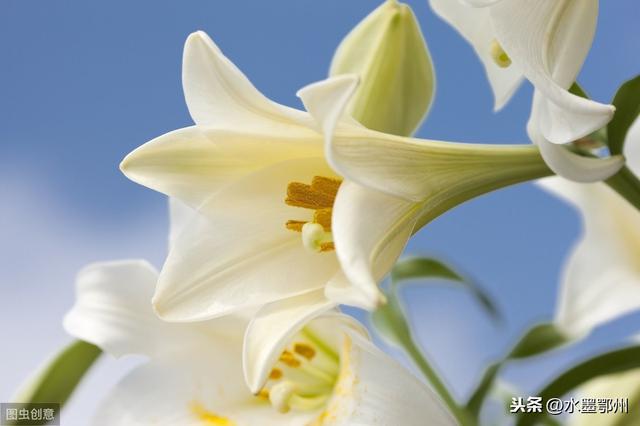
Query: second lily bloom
point(545, 41)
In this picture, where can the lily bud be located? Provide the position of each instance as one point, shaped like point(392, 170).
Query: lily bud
point(397, 81)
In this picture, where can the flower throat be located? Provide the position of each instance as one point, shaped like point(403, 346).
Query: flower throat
point(319, 197)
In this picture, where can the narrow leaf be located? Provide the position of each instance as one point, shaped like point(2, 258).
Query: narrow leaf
point(616, 361)
point(428, 268)
point(540, 338)
point(627, 103)
point(56, 381)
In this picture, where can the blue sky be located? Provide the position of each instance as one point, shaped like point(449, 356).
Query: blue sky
point(83, 83)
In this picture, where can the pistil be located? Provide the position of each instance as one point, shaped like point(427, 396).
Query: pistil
point(498, 54)
point(303, 378)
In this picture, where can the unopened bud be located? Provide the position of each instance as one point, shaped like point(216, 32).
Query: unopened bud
point(397, 80)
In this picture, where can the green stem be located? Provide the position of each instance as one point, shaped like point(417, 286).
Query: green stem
point(463, 417)
point(627, 185)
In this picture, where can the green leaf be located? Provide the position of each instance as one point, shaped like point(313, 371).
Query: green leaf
point(616, 361)
point(627, 103)
point(56, 381)
point(538, 339)
point(474, 404)
point(429, 268)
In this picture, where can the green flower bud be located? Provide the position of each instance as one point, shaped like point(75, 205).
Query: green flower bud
point(397, 80)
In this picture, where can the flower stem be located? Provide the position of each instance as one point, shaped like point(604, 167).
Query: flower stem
point(627, 185)
point(463, 417)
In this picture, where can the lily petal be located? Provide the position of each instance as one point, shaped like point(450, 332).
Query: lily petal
point(238, 253)
point(368, 244)
point(271, 329)
point(180, 215)
point(340, 290)
point(194, 162)
point(420, 169)
point(327, 100)
point(576, 167)
point(632, 147)
point(549, 40)
point(601, 281)
point(372, 379)
point(475, 26)
point(566, 163)
point(218, 94)
point(193, 390)
point(113, 311)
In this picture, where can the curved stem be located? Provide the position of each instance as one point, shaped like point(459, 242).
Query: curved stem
point(463, 417)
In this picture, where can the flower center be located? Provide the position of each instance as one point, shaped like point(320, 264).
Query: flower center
point(319, 197)
point(304, 377)
point(498, 54)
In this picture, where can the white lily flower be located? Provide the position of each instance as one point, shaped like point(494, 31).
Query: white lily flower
point(272, 209)
point(326, 372)
point(601, 279)
point(545, 41)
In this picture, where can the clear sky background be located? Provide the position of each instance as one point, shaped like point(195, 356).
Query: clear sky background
point(82, 83)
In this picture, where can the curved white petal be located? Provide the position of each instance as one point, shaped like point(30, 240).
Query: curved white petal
point(271, 329)
point(549, 40)
point(197, 389)
point(113, 311)
point(601, 279)
point(420, 169)
point(340, 290)
point(368, 244)
point(180, 215)
point(194, 162)
point(327, 100)
point(566, 163)
point(219, 95)
point(632, 147)
point(576, 167)
point(238, 252)
point(474, 25)
point(375, 390)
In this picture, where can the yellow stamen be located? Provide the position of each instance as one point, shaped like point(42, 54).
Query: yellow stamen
point(263, 394)
point(319, 197)
point(498, 54)
point(275, 374)
point(326, 185)
point(327, 247)
point(305, 350)
point(289, 359)
point(305, 196)
point(295, 225)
